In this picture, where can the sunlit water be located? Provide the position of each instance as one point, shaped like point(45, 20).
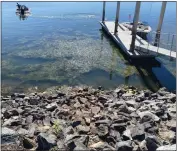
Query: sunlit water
point(61, 43)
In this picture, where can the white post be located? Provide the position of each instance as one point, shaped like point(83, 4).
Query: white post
point(103, 16)
point(117, 17)
point(159, 27)
point(135, 22)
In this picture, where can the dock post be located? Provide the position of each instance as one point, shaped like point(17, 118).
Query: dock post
point(117, 17)
point(103, 15)
point(158, 31)
point(135, 22)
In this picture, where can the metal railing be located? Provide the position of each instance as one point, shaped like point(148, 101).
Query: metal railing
point(166, 41)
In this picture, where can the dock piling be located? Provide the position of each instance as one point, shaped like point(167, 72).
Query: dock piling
point(103, 16)
point(117, 18)
point(135, 22)
point(158, 32)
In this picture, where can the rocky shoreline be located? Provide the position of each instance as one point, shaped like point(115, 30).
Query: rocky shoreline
point(83, 118)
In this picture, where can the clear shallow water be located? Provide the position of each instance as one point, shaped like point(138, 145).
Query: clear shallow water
point(62, 43)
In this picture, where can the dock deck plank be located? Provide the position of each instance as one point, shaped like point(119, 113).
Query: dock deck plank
point(123, 38)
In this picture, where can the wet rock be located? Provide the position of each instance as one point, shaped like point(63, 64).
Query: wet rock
point(124, 146)
point(45, 141)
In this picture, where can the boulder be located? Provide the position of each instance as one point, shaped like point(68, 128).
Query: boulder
point(124, 146)
point(46, 141)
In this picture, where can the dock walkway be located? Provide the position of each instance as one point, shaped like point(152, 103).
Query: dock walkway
point(143, 49)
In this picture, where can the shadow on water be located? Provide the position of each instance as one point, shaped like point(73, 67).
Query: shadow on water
point(153, 73)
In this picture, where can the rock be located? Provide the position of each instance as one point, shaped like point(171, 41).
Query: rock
point(124, 109)
point(132, 103)
point(102, 131)
point(76, 123)
point(87, 120)
point(102, 99)
point(79, 146)
point(8, 136)
point(46, 141)
point(22, 131)
point(171, 125)
point(29, 144)
point(60, 145)
point(167, 147)
point(83, 100)
point(124, 146)
point(12, 122)
point(105, 122)
point(167, 135)
point(120, 127)
point(115, 134)
point(35, 100)
point(83, 129)
point(97, 145)
point(147, 115)
point(46, 121)
point(143, 146)
point(151, 145)
point(95, 110)
point(127, 135)
point(51, 107)
point(31, 129)
point(137, 132)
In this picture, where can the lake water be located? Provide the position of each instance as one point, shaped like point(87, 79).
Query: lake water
point(61, 43)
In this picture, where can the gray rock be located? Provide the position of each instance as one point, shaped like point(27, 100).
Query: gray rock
point(102, 131)
point(171, 125)
point(35, 100)
point(127, 135)
point(83, 129)
point(46, 141)
point(167, 147)
point(120, 127)
point(46, 121)
point(51, 107)
point(124, 146)
point(8, 136)
point(149, 115)
point(115, 134)
point(137, 132)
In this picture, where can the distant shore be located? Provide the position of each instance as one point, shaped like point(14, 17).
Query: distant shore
point(84, 118)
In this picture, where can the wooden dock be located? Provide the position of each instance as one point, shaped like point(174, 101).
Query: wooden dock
point(123, 38)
